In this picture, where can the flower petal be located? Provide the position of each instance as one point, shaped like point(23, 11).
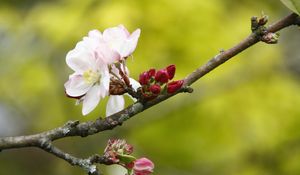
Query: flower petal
point(116, 37)
point(95, 34)
point(115, 104)
point(104, 82)
point(107, 54)
point(91, 99)
point(79, 59)
point(129, 45)
point(135, 84)
point(76, 86)
point(114, 34)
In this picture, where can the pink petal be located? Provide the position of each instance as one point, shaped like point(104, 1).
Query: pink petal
point(115, 33)
point(107, 54)
point(116, 37)
point(76, 86)
point(91, 99)
point(115, 104)
point(122, 27)
point(95, 34)
point(129, 45)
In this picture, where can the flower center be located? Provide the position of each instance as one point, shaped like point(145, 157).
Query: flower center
point(91, 76)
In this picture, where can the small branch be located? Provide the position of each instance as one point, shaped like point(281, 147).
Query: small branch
point(74, 128)
point(243, 45)
point(87, 164)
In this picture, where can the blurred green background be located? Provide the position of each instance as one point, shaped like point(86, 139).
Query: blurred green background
point(242, 119)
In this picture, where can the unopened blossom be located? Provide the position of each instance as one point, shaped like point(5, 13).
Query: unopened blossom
point(151, 72)
point(162, 76)
point(120, 40)
point(143, 166)
point(174, 86)
point(90, 80)
point(155, 89)
point(171, 71)
point(146, 76)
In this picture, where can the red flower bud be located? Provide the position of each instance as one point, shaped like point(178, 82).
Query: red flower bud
point(144, 78)
point(171, 71)
point(174, 86)
point(162, 76)
point(151, 72)
point(155, 89)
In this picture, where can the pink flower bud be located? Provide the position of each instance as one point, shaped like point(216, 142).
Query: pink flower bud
point(144, 78)
point(171, 71)
point(162, 76)
point(143, 166)
point(155, 89)
point(174, 86)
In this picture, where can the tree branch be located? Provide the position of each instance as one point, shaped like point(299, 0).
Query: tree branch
point(74, 128)
point(87, 164)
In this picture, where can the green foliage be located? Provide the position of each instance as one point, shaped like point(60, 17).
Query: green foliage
point(293, 5)
point(242, 118)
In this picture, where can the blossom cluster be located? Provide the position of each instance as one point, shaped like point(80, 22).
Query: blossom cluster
point(119, 152)
point(98, 62)
point(156, 82)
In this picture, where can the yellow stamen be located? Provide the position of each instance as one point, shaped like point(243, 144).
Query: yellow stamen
point(91, 77)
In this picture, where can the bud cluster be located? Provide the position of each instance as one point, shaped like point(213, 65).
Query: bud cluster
point(119, 152)
point(156, 82)
point(117, 148)
point(270, 38)
point(258, 26)
point(257, 23)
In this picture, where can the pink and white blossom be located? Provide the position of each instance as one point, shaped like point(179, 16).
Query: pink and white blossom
point(90, 80)
point(92, 60)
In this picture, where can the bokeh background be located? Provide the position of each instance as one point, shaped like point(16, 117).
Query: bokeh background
point(242, 119)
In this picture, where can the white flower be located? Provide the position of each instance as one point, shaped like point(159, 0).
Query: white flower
point(90, 59)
